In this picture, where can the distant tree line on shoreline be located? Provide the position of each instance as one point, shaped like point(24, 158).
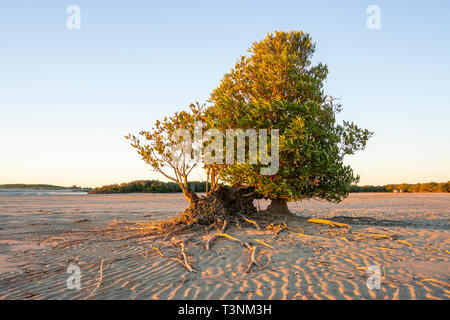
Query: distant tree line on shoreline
point(405, 187)
point(149, 186)
point(155, 186)
point(41, 187)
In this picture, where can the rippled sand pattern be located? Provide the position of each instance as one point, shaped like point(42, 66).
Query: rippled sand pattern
point(41, 236)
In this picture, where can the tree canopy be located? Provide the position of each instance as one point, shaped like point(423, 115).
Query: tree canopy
point(275, 88)
point(278, 87)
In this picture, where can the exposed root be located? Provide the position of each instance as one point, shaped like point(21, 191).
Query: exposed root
point(100, 279)
point(252, 249)
point(330, 223)
point(225, 224)
point(404, 242)
point(147, 234)
point(176, 230)
point(276, 228)
point(374, 236)
point(210, 241)
point(252, 259)
point(224, 203)
point(214, 237)
point(159, 252)
point(243, 243)
point(300, 230)
point(250, 221)
point(264, 244)
point(186, 261)
point(307, 235)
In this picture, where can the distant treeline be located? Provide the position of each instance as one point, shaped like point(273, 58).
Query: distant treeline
point(41, 187)
point(155, 186)
point(405, 187)
point(149, 186)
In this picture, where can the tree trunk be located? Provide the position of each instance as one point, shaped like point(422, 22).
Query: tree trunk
point(222, 203)
point(190, 196)
point(278, 206)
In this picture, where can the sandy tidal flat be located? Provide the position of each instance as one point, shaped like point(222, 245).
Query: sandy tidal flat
point(406, 236)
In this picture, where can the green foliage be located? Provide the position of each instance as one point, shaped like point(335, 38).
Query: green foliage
point(149, 186)
point(159, 146)
point(278, 87)
point(356, 189)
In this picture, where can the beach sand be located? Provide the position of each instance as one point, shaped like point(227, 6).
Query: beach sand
point(406, 236)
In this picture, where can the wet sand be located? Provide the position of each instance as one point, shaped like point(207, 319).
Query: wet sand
point(406, 235)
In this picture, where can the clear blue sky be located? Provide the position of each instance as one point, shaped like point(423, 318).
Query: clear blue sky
point(67, 97)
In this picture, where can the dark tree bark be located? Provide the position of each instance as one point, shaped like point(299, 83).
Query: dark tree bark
point(223, 203)
point(278, 206)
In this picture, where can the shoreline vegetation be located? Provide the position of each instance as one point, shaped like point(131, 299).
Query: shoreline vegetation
point(150, 186)
point(405, 187)
point(156, 186)
point(42, 187)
